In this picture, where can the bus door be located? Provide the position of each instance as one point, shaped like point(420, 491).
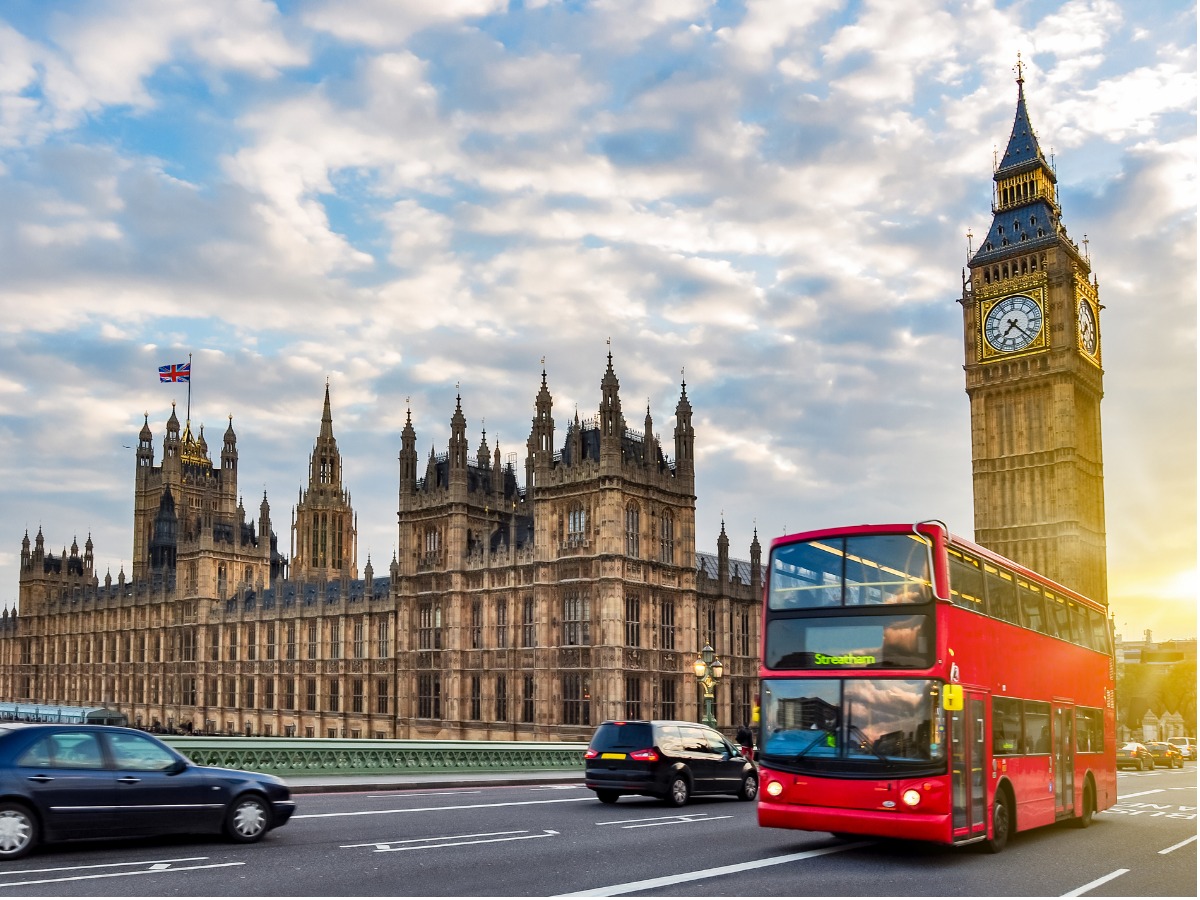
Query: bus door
point(967, 757)
point(1063, 756)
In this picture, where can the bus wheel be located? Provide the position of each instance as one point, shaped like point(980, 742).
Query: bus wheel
point(1089, 809)
point(1001, 824)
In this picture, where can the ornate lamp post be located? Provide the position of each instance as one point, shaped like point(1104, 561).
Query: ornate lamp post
point(708, 670)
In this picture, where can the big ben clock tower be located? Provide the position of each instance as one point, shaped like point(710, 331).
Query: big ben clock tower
point(1031, 323)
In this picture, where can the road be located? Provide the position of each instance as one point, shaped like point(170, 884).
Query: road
point(549, 840)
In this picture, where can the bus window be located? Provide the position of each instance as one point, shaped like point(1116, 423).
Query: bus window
point(1089, 730)
point(1080, 632)
point(1001, 602)
point(1037, 727)
point(1006, 726)
point(1058, 617)
point(966, 581)
point(1032, 615)
point(1099, 627)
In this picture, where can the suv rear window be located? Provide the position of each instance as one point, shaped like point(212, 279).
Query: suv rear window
point(622, 736)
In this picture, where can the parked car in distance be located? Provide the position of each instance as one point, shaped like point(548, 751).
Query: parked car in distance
point(1134, 755)
point(673, 761)
point(1186, 745)
point(1165, 754)
point(69, 782)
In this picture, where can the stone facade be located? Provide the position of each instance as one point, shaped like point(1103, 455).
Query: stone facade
point(1033, 373)
point(509, 611)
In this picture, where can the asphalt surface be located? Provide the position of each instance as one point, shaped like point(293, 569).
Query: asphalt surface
point(331, 784)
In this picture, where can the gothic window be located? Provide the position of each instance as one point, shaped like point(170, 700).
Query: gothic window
point(476, 624)
point(502, 626)
point(576, 620)
point(667, 702)
point(501, 698)
point(221, 582)
point(433, 541)
point(383, 640)
point(230, 691)
point(429, 696)
point(576, 524)
point(310, 694)
point(633, 697)
point(248, 692)
point(360, 650)
point(527, 706)
point(268, 693)
point(744, 633)
point(429, 627)
point(251, 642)
point(576, 700)
point(633, 526)
point(291, 641)
point(335, 639)
point(666, 625)
point(476, 698)
point(335, 692)
point(289, 693)
point(270, 641)
point(382, 705)
point(633, 621)
point(528, 624)
point(312, 640)
point(666, 538)
point(326, 470)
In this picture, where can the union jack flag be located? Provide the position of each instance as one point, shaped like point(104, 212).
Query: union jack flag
point(177, 372)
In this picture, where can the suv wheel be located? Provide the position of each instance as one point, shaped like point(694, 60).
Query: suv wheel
point(678, 790)
point(608, 796)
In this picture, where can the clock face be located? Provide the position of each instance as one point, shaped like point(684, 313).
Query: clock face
point(1087, 328)
point(1013, 324)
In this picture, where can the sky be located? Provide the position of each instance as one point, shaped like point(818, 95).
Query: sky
point(415, 201)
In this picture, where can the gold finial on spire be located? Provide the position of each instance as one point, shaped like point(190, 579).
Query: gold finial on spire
point(1019, 69)
point(970, 238)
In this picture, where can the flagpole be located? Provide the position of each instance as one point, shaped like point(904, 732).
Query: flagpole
point(189, 406)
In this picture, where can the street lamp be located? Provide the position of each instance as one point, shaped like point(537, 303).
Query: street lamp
point(708, 670)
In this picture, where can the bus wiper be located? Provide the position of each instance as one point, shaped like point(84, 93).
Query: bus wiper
point(870, 745)
point(821, 735)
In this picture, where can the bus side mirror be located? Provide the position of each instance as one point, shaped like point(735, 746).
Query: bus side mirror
point(952, 697)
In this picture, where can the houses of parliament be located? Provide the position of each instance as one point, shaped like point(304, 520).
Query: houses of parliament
point(535, 608)
point(507, 612)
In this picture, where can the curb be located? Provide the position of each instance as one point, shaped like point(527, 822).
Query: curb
point(342, 787)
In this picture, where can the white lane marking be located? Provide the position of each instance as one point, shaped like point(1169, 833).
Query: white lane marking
point(558, 787)
point(136, 862)
point(1121, 797)
point(650, 884)
point(680, 819)
point(393, 795)
point(1080, 891)
point(1177, 846)
point(154, 870)
point(496, 840)
point(416, 809)
point(450, 837)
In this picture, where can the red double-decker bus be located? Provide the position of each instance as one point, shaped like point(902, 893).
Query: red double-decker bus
point(916, 685)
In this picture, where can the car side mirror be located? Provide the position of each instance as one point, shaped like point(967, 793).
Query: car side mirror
point(177, 767)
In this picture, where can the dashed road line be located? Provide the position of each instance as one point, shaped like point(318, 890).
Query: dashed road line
point(1080, 891)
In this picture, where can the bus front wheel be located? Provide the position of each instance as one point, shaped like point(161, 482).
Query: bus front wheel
point(1001, 823)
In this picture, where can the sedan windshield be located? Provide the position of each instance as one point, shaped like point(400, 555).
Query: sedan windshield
point(876, 727)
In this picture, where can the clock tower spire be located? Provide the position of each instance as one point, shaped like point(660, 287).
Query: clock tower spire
point(1034, 378)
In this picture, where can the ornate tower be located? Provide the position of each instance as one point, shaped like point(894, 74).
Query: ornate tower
point(1034, 378)
point(324, 528)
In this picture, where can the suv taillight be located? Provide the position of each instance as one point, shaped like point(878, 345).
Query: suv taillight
point(647, 755)
point(591, 754)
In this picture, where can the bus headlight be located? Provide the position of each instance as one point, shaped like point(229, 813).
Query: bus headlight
point(911, 797)
point(775, 788)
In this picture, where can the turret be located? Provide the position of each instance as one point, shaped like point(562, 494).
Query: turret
point(755, 565)
point(685, 435)
point(408, 460)
point(723, 556)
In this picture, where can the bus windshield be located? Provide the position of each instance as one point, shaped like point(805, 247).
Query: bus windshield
point(867, 727)
point(859, 570)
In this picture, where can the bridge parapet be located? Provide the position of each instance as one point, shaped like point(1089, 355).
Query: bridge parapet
point(341, 756)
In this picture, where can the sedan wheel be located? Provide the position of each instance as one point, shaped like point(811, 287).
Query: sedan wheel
point(749, 788)
point(18, 831)
point(248, 820)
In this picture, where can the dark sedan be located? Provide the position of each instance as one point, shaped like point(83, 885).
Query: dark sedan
point(1134, 755)
point(1165, 754)
point(67, 782)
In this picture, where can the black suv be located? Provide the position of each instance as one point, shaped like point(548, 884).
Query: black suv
point(669, 760)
